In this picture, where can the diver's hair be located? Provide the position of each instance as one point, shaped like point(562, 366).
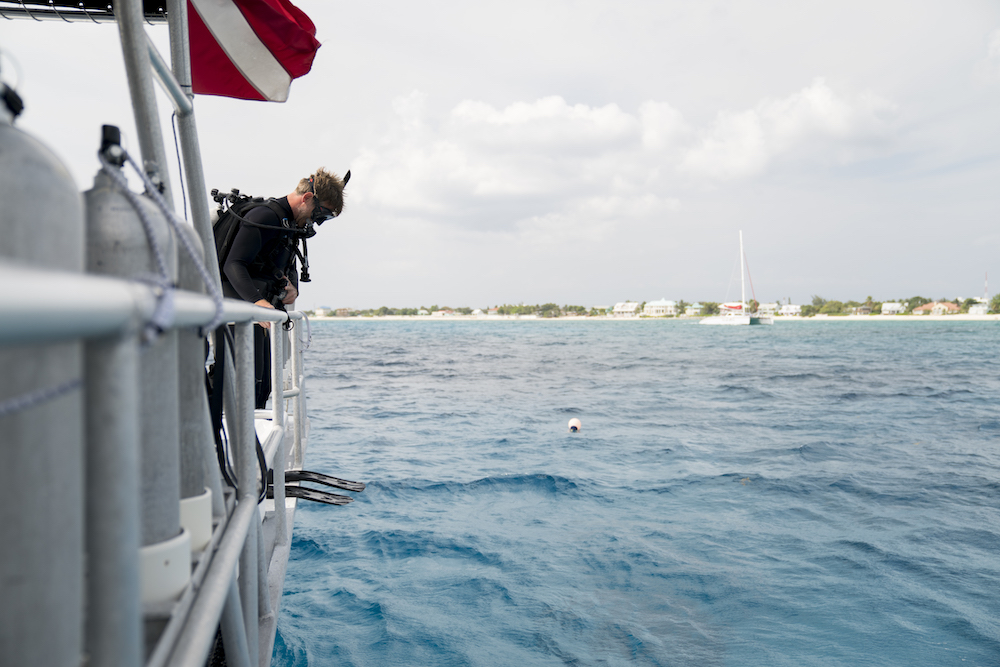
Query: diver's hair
point(329, 188)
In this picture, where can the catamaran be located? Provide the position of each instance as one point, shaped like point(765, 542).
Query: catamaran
point(737, 312)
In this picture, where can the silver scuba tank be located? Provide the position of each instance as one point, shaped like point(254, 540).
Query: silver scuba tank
point(42, 518)
point(118, 245)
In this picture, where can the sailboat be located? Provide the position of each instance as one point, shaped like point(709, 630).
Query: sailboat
point(737, 312)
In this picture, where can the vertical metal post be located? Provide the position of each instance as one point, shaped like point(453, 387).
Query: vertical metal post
point(194, 437)
point(114, 617)
point(277, 374)
point(249, 592)
point(180, 48)
point(243, 424)
point(263, 592)
point(213, 477)
point(297, 381)
point(188, 130)
point(280, 457)
point(234, 639)
point(140, 84)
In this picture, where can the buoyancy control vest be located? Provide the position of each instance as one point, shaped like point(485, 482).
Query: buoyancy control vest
point(276, 259)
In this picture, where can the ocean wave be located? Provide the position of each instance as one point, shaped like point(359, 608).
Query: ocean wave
point(540, 483)
point(307, 549)
point(915, 496)
point(950, 393)
point(797, 377)
point(400, 544)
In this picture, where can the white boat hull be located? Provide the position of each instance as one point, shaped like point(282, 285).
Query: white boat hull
point(737, 320)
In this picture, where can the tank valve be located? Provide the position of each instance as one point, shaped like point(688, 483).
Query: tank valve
point(111, 145)
point(12, 100)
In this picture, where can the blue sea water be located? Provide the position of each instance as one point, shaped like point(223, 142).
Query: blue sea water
point(803, 494)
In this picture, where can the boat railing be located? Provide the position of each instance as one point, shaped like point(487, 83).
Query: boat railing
point(100, 604)
point(231, 585)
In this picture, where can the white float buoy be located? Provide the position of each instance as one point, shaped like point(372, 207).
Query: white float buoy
point(574, 425)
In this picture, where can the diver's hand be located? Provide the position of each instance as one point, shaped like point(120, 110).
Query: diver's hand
point(290, 294)
point(264, 303)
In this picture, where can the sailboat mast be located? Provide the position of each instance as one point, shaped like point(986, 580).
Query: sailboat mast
point(743, 273)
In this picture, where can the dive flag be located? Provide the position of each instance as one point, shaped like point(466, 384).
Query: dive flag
point(249, 49)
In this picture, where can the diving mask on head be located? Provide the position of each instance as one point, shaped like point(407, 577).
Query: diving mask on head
point(320, 213)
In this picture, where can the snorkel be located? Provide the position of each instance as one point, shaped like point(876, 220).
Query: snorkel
point(320, 214)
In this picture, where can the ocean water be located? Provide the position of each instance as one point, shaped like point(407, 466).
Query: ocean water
point(811, 493)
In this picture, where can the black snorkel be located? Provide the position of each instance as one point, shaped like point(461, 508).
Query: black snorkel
point(320, 214)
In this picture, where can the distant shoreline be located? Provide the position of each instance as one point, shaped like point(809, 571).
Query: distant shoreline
point(516, 318)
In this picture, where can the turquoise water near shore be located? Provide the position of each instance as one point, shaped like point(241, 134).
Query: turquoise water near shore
point(809, 494)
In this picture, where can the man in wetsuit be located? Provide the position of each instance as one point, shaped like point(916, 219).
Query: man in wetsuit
point(261, 262)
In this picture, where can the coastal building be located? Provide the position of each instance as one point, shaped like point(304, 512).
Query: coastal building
point(767, 309)
point(863, 310)
point(693, 310)
point(790, 310)
point(937, 308)
point(979, 308)
point(945, 308)
point(626, 309)
point(660, 308)
point(893, 308)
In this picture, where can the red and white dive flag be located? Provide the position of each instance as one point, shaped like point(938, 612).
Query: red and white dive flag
point(250, 49)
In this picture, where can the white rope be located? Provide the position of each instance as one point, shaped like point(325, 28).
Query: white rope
point(214, 292)
point(163, 314)
point(153, 192)
point(33, 398)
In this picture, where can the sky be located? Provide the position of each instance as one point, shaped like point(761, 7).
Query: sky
point(590, 152)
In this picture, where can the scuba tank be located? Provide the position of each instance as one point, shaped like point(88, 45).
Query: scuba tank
point(118, 245)
point(42, 553)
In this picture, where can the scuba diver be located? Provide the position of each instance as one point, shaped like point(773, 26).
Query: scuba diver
point(258, 248)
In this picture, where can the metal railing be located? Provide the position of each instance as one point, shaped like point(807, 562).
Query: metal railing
point(107, 315)
point(103, 319)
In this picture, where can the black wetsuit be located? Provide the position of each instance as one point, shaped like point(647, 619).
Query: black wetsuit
point(250, 246)
point(244, 276)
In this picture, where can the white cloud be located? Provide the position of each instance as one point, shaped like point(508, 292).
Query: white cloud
point(989, 67)
point(663, 126)
point(735, 146)
point(529, 165)
point(491, 168)
point(993, 48)
point(409, 109)
point(743, 143)
point(549, 123)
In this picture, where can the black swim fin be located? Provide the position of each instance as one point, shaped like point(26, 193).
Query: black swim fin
point(318, 478)
point(305, 493)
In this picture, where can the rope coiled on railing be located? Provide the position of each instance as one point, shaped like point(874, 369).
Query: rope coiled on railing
point(163, 314)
